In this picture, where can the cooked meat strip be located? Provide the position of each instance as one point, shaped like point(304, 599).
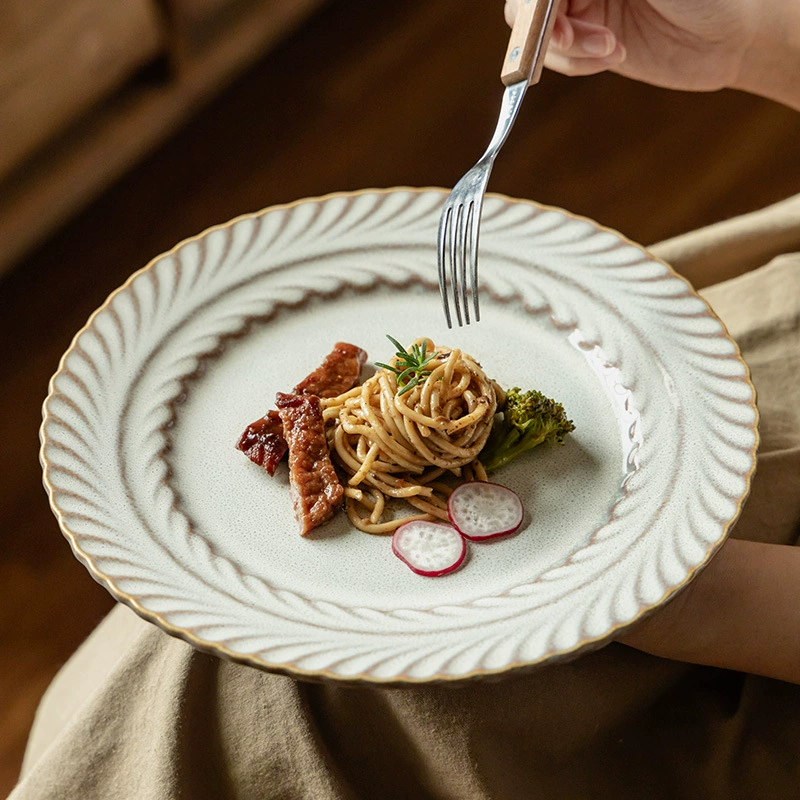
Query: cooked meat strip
point(263, 442)
point(313, 485)
point(338, 372)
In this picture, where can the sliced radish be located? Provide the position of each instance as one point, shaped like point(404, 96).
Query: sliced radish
point(481, 510)
point(429, 548)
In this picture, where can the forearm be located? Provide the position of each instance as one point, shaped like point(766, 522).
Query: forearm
point(740, 613)
point(771, 65)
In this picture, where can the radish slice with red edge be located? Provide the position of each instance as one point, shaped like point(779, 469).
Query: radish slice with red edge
point(481, 510)
point(429, 548)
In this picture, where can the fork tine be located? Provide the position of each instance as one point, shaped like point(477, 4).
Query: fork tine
point(474, 230)
point(462, 254)
point(462, 216)
point(455, 235)
point(444, 226)
point(461, 261)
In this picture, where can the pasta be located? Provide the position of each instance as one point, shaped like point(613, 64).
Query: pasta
point(399, 442)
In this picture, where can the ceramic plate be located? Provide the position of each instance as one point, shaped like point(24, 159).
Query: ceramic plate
point(144, 411)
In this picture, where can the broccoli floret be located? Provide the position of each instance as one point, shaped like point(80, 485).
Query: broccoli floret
point(528, 419)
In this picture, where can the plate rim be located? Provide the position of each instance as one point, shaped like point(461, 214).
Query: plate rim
point(583, 646)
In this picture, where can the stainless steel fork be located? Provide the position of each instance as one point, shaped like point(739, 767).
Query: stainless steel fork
point(459, 224)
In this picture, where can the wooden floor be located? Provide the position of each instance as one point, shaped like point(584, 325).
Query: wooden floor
point(366, 95)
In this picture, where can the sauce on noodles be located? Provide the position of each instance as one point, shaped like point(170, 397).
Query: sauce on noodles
point(403, 444)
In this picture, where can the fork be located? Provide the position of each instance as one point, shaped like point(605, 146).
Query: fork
point(459, 223)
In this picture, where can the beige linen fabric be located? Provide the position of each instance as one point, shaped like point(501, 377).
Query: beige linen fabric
point(721, 251)
point(138, 715)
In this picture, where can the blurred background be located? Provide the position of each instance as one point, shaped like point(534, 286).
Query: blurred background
point(128, 125)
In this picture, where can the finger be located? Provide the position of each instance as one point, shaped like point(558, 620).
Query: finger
point(577, 47)
point(575, 38)
point(575, 67)
point(510, 12)
point(563, 35)
point(582, 48)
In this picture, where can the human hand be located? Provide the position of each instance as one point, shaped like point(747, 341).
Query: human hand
point(694, 45)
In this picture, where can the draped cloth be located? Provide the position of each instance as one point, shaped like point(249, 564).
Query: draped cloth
point(139, 715)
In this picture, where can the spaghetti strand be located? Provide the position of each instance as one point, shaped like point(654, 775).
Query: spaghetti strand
point(394, 445)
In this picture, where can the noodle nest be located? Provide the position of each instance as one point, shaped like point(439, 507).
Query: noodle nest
point(407, 444)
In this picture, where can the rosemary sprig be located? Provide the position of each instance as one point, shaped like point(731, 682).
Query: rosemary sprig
point(412, 367)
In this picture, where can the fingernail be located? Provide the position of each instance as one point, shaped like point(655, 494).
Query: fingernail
point(617, 55)
point(598, 44)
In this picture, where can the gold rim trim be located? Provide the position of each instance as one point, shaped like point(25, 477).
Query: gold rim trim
point(516, 668)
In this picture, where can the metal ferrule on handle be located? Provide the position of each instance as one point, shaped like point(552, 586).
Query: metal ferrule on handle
point(512, 100)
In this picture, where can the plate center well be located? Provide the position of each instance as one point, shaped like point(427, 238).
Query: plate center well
point(247, 516)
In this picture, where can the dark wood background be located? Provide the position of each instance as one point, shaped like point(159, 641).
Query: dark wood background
point(367, 94)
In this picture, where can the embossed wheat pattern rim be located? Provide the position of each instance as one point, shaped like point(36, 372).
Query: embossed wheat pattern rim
point(289, 669)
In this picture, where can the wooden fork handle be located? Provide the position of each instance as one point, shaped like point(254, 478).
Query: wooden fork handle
point(528, 43)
